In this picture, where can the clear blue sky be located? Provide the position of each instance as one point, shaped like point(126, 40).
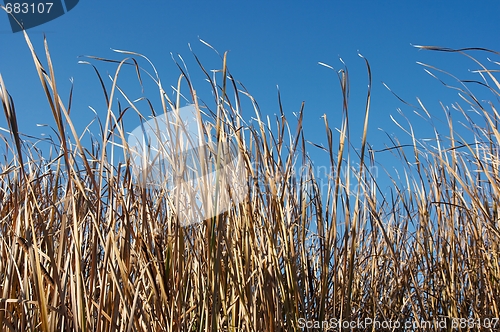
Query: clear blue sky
point(270, 43)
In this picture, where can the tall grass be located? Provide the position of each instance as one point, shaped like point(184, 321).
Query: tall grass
point(84, 248)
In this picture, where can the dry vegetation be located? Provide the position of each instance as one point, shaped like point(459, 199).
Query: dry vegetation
point(84, 248)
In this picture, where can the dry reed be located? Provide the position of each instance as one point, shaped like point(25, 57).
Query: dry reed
point(84, 248)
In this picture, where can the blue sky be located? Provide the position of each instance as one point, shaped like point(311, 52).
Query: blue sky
point(270, 43)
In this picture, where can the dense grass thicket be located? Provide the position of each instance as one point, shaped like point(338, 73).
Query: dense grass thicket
point(83, 247)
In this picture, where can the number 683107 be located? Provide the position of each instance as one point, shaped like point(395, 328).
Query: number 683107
point(28, 8)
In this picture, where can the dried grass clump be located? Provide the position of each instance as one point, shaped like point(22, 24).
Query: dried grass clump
point(84, 248)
